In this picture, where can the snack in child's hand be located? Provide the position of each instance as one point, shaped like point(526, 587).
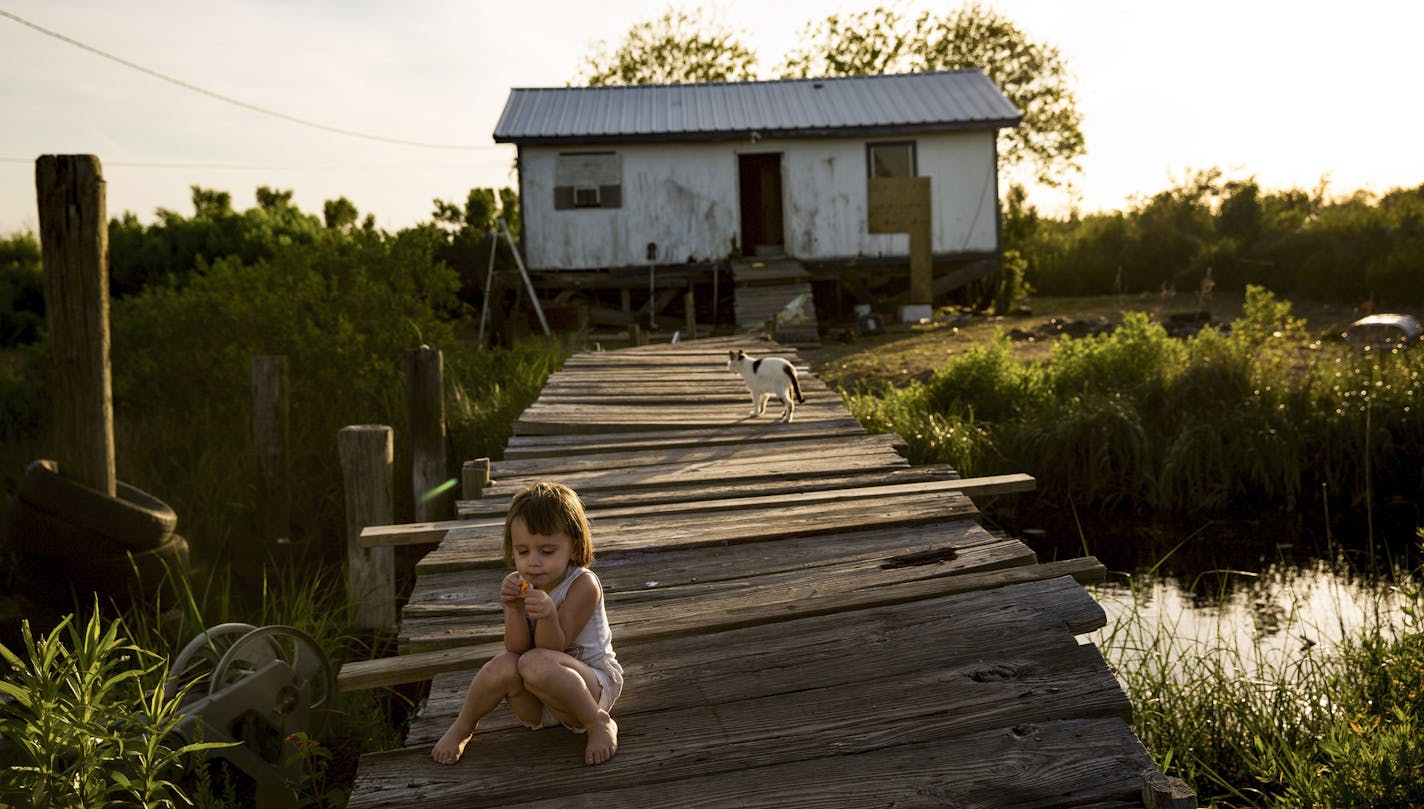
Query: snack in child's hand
point(523, 586)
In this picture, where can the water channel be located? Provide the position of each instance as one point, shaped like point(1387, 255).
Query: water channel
point(1254, 593)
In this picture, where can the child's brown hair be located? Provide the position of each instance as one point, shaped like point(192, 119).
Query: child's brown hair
point(550, 508)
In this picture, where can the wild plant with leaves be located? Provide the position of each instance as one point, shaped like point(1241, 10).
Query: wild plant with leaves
point(90, 721)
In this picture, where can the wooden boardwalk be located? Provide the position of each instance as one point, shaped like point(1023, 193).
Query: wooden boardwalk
point(804, 618)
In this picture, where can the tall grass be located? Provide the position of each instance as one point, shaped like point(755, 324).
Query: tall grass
point(1139, 420)
point(1312, 723)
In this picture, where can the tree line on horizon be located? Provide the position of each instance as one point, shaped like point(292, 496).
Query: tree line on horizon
point(1207, 230)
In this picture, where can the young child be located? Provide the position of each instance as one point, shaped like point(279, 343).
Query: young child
point(558, 665)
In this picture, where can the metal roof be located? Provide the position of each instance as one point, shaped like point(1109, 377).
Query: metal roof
point(848, 106)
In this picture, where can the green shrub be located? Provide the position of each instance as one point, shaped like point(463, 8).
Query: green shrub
point(1138, 419)
point(932, 437)
point(987, 380)
point(90, 722)
point(22, 312)
point(343, 312)
point(1134, 361)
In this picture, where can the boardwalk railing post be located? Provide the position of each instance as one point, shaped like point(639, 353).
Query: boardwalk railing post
point(1160, 791)
point(271, 433)
point(425, 401)
point(367, 458)
point(474, 476)
point(74, 238)
point(689, 303)
point(635, 336)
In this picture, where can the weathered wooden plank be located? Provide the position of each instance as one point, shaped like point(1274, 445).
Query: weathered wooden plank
point(898, 639)
point(423, 666)
point(480, 545)
point(795, 449)
point(427, 532)
point(713, 372)
point(539, 420)
point(593, 418)
point(719, 380)
point(1079, 762)
point(670, 354)
point(715, 491)
point(666, 368)
point(632, 570)
point(543, 446)
point(661, 476)
point(445, 626)
point(922, 709)
point(746, 273)
point(675, 410)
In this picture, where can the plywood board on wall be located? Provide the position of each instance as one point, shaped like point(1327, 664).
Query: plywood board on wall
point(897, 204)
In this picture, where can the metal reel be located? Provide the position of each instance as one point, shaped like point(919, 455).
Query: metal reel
point(200, 658)
point(312, 680)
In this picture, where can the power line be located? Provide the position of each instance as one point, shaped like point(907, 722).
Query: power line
point(130, 164)
point(228, 99)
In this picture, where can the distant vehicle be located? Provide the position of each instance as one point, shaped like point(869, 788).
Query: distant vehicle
point(1383, 331)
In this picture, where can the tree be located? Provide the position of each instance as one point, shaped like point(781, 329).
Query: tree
point(678, 47)
point(210, 204)
point(857, 44)
point(1034, 77)
point(340, 213)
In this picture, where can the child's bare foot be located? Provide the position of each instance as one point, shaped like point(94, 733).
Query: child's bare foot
point(602, 740)
point(451, 746)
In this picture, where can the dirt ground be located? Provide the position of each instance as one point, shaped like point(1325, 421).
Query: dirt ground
point(910, 351)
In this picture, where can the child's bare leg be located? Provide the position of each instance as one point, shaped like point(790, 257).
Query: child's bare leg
point(496, 680)
point(571, 691)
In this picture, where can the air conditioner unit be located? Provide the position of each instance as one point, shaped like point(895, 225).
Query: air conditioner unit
point(586, 196)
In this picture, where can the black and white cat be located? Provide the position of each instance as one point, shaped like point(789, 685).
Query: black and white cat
point(768, 376)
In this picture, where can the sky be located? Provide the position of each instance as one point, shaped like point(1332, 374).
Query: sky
point(1291, 93)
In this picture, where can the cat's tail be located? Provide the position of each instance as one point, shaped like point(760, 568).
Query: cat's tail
point(795, 385)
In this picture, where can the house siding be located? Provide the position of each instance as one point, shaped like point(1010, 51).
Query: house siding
point(684, 198)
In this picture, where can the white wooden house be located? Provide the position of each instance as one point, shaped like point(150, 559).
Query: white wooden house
point(619, 177)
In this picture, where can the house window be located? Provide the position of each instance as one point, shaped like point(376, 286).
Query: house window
point(588, 180)
point(894, 159)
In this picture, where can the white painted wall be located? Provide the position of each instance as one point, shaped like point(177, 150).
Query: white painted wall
point(684, 198)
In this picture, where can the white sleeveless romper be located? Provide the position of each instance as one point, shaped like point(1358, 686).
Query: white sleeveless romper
point(593, 647)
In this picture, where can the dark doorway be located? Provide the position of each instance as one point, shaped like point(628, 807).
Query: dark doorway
point(762, 226)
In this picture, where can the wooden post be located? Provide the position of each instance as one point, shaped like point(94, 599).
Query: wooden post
point(635, 336)
point(474, 476)
point(1160, 791)
point(425, 402)
point(367, 454)
point(689, 303)
point(271, 433)
point(921, 261)
point(74, 238)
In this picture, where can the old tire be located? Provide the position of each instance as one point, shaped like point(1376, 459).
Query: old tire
point(115, 574)
point(54, 510)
